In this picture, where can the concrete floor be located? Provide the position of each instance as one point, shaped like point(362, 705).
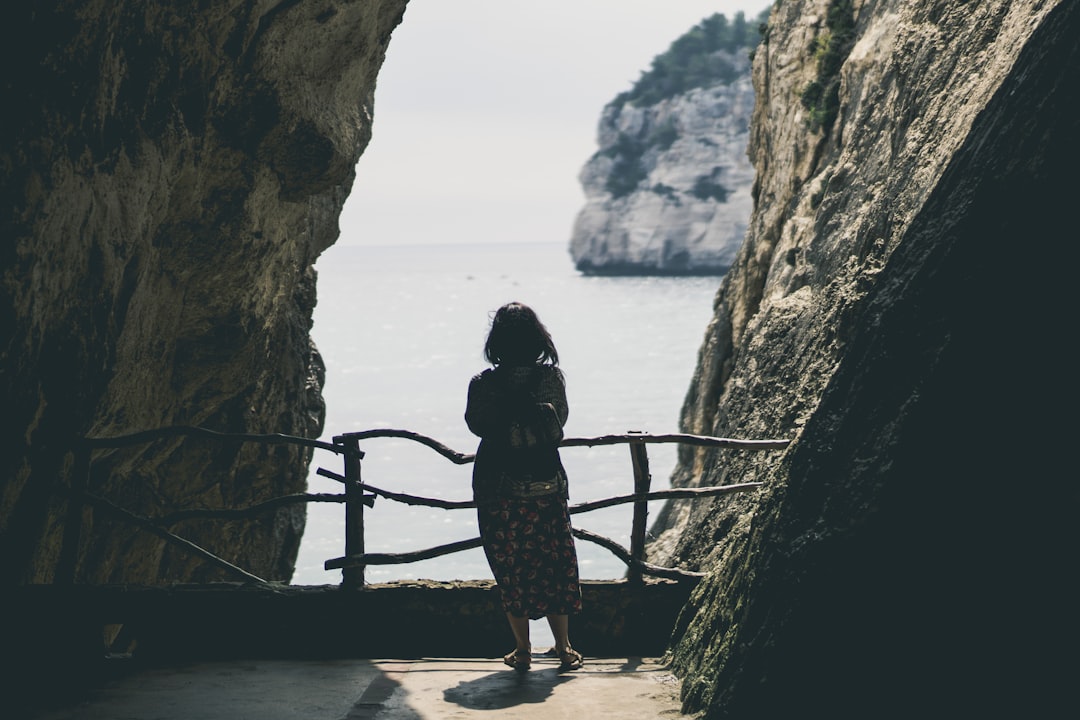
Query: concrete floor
point(623, 689)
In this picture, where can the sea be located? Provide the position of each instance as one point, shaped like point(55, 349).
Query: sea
point(401, 330)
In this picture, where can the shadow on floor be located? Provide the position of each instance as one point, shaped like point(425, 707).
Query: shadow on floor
point(508, 689)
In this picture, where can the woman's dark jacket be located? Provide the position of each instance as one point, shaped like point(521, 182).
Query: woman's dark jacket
point(519, 413)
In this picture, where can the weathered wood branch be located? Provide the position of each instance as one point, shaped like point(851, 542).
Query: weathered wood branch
point(347, 445)
point(169, 537)
point(158, 433)
point(421, 501)
point(402, 558)
point(408, 557)
point(332, 475)
point(616, 439)
point(671, 494)
point(682, 438)
point(639, 458)
point(452, 455)
point(403, 497)
point(644, 567)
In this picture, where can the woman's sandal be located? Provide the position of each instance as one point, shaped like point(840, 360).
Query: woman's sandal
point(570, 659)
point(518, 659)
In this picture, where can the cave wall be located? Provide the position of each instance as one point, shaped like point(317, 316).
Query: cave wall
point(901, 310)
point(169, 175)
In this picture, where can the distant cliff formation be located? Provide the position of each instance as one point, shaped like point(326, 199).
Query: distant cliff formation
point(669, 190)
point(901, 310)
point(169, 173)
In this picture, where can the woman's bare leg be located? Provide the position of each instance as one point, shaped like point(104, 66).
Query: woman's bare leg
point(560, 628)
point(569, 658)
point(520, 627)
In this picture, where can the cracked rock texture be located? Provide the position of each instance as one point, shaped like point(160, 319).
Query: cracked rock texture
point(169, 174)
point(901, 310)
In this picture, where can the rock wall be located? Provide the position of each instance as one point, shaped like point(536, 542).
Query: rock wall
point(668, 192)
point(169, 175)
point(900, 309)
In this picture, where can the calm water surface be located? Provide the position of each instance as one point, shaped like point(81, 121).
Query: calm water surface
point(401, 330)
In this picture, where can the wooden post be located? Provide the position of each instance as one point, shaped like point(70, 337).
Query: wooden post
point(352, 577)
point(639, 456)
point(67, 563)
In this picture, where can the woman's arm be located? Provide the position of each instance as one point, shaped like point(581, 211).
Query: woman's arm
point(552, 408)
point(521, 419)
point(539, 422)
point(485, 411)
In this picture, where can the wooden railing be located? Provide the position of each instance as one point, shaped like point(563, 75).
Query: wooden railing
point(358, 495)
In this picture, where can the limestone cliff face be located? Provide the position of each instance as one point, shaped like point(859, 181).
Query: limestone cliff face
point(668, 192)
point(899, 310)
point(170, 173)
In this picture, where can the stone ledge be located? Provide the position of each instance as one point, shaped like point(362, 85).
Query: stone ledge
point(400, 620)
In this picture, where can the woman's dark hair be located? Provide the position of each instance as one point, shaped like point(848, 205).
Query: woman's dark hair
point(517, 337)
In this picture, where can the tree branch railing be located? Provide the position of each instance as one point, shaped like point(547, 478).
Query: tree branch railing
point(79, 496)
point(358, 494)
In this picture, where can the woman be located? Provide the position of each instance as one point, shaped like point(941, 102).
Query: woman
point(518, 408)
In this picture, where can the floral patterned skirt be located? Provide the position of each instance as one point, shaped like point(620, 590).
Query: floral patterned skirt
point(532, 555)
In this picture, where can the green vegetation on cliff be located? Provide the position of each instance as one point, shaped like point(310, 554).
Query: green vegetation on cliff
point(822, 96)
point(696, 59)
point(702, 57)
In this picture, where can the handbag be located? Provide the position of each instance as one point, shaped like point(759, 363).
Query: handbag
point(529, 486)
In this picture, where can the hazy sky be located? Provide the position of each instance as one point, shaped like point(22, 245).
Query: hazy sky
point(486, 110)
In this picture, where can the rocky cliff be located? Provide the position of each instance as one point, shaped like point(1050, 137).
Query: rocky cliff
point(900, 310)
point(668, 191)
point(169, 174)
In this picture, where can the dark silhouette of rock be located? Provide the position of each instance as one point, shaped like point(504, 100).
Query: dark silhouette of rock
point(170, 173)
point(900, 310)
